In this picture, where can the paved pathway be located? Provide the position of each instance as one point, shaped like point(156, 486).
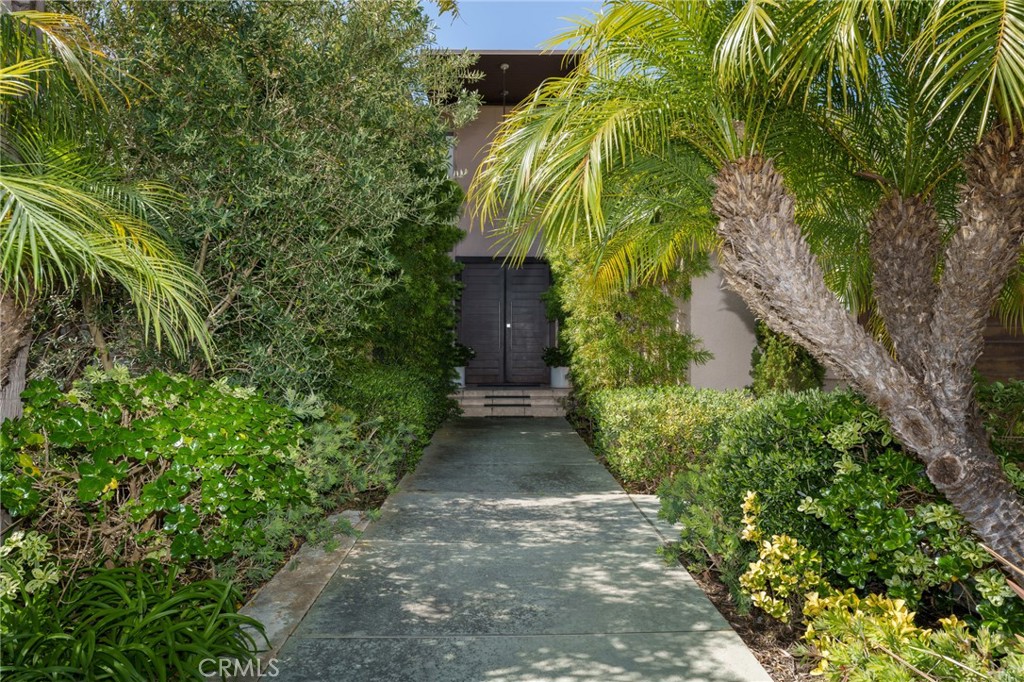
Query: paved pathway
point(511, 554)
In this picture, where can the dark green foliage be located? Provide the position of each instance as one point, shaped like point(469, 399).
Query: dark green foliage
point(397, 397)
point(648, 434)
point(557, 356)
point(777, 448)
point(341, 458)
point(157, 465)
point(463, 354)
point(779, 364)
point(310, 143)
point(828, 473)
point(1002, 408)
point(187, 470)
point(135, 624)
point(415, 327)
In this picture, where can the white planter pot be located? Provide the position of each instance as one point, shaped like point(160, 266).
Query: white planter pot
point(559, 377)
point(461, 381)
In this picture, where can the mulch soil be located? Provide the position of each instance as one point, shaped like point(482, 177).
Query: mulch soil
point(770, 640)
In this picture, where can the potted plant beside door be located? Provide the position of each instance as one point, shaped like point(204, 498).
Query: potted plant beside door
point(557, 358)
point(463, 354)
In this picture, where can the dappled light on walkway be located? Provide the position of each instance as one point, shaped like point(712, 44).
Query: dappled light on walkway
point(511, 554)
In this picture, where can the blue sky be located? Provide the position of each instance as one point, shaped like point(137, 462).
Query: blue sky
point(506, 24)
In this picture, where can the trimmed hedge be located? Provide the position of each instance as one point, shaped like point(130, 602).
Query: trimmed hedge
point(648, 434)
point(398, 396)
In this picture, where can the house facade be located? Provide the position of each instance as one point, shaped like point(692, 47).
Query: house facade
point(502, 316)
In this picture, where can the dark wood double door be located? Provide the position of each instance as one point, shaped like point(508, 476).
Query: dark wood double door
point(503, 320)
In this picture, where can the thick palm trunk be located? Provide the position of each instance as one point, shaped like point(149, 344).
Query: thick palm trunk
point(767, 261)
point(15, 336)
point(905, 243)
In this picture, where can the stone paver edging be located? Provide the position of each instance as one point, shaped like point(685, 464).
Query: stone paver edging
point(286, 598)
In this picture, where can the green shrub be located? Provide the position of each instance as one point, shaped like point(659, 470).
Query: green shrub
point(779, 364)
point(874, 637)
point(778, 448)
point(188, 471)
point(827, 473)
point(156, 466)
point(399, 398)
point(135, 623)
point(557, 356)
point(893, 532)
point(314, 168)
point(648, 434)
point(415, 326)
point(1002, 407)
point(340, 457)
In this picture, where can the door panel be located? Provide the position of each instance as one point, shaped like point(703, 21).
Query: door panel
point(526, 332)
point(503, 321)
point(481, 324)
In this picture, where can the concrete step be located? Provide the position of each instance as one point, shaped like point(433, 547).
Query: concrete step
point(509, 411)
point(540, 390)
point(495, 401)
point(512, 400)
point(487, 402)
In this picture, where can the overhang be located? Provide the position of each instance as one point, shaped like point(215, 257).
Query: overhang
point(525, 70)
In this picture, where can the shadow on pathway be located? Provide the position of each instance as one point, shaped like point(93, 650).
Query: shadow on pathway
point(511, 554)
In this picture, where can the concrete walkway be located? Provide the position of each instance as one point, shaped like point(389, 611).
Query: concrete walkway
point(511, 554)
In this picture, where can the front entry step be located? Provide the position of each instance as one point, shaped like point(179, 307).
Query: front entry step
point(512, 402)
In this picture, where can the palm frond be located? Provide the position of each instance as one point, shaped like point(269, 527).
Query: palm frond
point(21, 78)
point(1010, 306)
point(549, 160)
point(834, 39)
point(65, 220)
point(743, 51)
point(62, 39)
point(973, 51)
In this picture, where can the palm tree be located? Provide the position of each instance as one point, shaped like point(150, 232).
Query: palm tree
point(67, 221)
point(863, 156)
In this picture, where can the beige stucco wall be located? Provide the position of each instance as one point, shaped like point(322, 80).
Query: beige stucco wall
point(725, 326)
point(470, 148)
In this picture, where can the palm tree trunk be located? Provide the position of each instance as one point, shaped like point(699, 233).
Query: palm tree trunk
point(99, 341)
point(767, 261)
point(15, 338)
point(980, 257)
point(905, 243)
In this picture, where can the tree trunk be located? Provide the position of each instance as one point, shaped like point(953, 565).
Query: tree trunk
point(904, 246)
point(15, 337)
point(766, 260)
point(980, 257)
point(99, 341)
